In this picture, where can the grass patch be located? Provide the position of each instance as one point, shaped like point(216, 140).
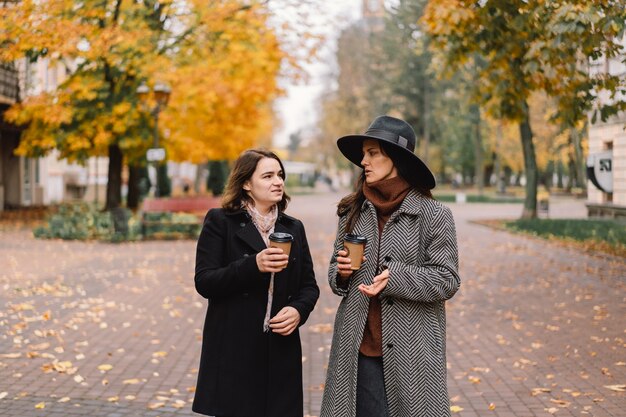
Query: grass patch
point(605, 235)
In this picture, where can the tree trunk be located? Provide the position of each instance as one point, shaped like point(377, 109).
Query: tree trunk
point(479, 172)
point(576, 138)
point(571, 168)
point(199, 177)
point(500, 176)
point(530, 166)
point(424, 156)
point(134, 174)
point(114, 184)
point(163, 181)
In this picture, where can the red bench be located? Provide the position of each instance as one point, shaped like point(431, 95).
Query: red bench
point(156, 222)
point(197, 205)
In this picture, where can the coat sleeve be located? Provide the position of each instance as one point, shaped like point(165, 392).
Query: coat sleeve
point(213, 279)
point(438, 278)
point(309, 292)
point(338, 285)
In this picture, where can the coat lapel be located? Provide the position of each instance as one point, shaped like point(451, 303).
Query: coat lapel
point(251, 236)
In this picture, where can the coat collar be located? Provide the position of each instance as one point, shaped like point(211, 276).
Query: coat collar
point(248, 231)
point(411, 205)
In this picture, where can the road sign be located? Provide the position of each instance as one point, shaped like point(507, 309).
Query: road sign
point(155, 154)
point(600, 170)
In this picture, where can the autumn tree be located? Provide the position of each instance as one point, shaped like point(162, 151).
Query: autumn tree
point(529, 46)
point(220, 58)
point(579, 35)
point(503, 32)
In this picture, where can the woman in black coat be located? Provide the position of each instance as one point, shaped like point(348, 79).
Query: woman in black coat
point(251, 362)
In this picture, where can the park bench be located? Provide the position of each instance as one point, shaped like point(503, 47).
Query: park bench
point(165, 217)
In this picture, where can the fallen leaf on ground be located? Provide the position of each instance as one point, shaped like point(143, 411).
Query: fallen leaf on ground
point(179, 404)
point(560, 402)
point(132, 381)
point(537, 391)
point(321, 328)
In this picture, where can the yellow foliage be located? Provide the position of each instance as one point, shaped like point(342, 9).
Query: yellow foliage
point(222, 75)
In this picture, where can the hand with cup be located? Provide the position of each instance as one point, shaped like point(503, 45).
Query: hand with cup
point(350, 258)
point(276, 257)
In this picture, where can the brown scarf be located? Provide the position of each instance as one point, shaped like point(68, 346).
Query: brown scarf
point(386, 196)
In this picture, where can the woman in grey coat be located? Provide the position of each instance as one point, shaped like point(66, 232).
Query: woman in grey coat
point(388, 355)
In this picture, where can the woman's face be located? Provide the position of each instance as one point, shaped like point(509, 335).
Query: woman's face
point(266, 186)
point(376, 164)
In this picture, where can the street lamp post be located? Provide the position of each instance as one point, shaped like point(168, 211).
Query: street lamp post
point(161, 97)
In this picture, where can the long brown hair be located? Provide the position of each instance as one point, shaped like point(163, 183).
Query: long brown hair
point(351, 204)
point(245, 165)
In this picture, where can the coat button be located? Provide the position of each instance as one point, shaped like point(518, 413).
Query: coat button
point(387, 258)
point(242, 224)
point(390, 302)
point(245, 255)
point(390, 345)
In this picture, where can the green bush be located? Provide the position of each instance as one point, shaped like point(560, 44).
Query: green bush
point(166, 225)
point(77, 221)
point(82, 221)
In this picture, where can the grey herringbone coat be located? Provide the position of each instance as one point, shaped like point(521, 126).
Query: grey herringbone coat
point(418, 245)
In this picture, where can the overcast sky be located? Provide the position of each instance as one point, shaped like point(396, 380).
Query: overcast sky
point(298, 109)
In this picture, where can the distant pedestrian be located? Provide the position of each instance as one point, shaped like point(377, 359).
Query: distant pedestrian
point(388, 355)
point(251, 363)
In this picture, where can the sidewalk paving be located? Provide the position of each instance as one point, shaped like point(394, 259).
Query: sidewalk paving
point(114, 330)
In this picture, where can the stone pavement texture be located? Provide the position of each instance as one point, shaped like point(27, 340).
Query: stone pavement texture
point(97, 329)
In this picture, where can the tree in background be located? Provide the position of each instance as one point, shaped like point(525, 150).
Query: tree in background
point(218, 174)
point(502, 32)
point(531, 46)
point(221, 59)
point(579, 37)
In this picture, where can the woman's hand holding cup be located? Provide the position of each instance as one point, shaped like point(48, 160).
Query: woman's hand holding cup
point(344, 264)
point(272, 260)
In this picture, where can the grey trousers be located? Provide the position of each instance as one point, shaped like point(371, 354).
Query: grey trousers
point(371, 400)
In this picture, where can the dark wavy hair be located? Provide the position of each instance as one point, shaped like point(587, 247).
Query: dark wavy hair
point(234, 194)
point(351, 204)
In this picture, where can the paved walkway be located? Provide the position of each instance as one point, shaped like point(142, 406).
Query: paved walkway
point(114, 330)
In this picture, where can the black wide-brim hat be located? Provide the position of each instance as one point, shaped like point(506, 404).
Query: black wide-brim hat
point(397, 133)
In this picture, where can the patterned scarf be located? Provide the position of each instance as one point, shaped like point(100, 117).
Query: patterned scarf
point(265, 225)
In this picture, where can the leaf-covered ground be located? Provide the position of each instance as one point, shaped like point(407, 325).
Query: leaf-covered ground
point(99, 329)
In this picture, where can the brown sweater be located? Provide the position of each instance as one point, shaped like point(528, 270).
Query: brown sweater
point(386, 196)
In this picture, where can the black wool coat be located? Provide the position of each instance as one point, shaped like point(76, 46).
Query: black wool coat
point(244, 371)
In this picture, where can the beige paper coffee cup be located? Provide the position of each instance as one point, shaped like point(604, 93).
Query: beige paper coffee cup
point(355, 246)
point(281, 241)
